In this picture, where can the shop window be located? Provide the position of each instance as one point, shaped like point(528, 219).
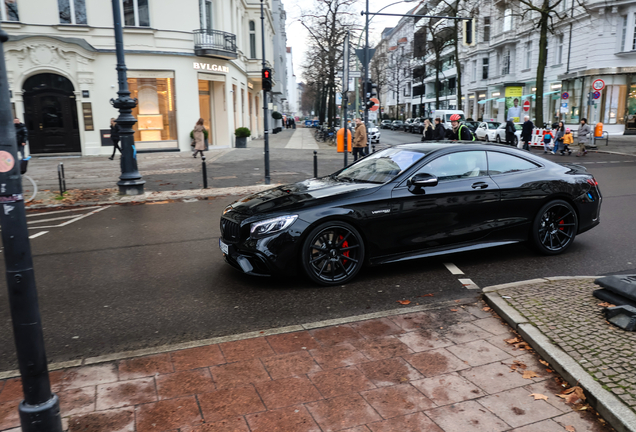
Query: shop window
point(615, 101)
point(156, 110)
point(634, 37)
point(9, 11)
point(528, 55)
point(486, 37)
point(252, 39)
point(505, 70)
point(136, 13)
point(72, 11)
point(205, 112)
point(474, 70)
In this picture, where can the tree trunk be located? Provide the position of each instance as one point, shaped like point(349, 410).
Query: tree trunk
point(436, 81)
point(543, 42)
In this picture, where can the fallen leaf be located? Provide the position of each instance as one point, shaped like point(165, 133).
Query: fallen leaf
point(544, 363)
point(426, 295)
point(570, 429)
point(454, 310)
point(539, 396)
point(572, 395)
point(529, 374)
point(522, 346)
point(456, 301)
point(404, 302)
point(486, 309)
point(549, 370)
point(512, 341)
point(606, 304)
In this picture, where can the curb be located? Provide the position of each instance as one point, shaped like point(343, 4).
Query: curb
point(613, 152)
point(619, 416)
point(241, 336)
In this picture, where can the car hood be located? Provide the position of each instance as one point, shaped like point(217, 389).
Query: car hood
point(297, 195)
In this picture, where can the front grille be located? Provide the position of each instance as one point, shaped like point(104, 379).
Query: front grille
point(230, 231)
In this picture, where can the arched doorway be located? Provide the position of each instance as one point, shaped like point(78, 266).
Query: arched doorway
point(51, 114)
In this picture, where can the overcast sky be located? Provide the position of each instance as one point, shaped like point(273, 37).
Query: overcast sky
point(297, 34)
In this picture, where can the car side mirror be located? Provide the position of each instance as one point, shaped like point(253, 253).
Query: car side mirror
point(421, 180)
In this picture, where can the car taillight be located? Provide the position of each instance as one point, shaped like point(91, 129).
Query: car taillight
point(592, 181)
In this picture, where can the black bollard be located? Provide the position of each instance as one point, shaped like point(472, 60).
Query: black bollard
point(315, 164)
point(63, 176)
point(373, 148)
point(60, 182)
point(204, 170)
point(40, 409)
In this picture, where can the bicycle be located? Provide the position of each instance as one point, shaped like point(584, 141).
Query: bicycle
point(29, 187)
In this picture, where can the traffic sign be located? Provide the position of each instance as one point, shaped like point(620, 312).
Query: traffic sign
point(376, 106)
point(526, 106)
point(597, 95)
point(598, 85)
point(565, 95)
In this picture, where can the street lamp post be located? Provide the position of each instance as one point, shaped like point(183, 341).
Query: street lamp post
point(130, 181)
point(265, 107)
point(40, 409)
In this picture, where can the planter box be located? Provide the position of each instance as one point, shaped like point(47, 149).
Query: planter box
point(240, 142)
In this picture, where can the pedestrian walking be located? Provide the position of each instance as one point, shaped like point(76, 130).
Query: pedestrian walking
point(583, 136)
point(558, 137)
point(510, 132)
point(439, 133)
point(526, 132)
point(359, 140)
point(198, 138)
point(459, 132)
point(568, 139)
point(427, 132)
point(21, 135)
point(114, 137)
point(547, 139)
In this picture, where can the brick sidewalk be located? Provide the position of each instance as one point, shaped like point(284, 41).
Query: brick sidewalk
point(571, 317)
point(439, 370)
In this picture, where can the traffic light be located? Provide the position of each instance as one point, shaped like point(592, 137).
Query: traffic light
point(372, 91)
point(469, 32)
point(267, 79)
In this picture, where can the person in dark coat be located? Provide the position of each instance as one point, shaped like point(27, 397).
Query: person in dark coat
point(21, 135)
point(439, 134)
point(114, 137)
point(510, 132)
point(427, 132)
point(459, 132)
point(526, 132)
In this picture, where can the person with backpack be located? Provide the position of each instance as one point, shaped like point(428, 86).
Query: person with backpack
point(547, 139)
point(439, 134)
point(459, 132)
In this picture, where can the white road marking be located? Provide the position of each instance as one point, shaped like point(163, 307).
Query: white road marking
point(72, 220)
point(453, 269)
point(41, 233)
point(52, 219)
point(61, 211)
point(601, 162)
point(468, 283)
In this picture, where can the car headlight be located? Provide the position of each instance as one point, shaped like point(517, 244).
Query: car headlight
point(270, 226)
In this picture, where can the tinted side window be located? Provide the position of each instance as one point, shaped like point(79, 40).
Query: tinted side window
point(501, 163)
point(457, 166)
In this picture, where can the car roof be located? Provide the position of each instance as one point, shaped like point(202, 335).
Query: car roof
point(433, 147)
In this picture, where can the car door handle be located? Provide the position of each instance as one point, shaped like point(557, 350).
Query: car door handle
point(480, 185)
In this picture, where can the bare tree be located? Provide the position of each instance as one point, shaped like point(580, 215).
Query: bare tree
point(327, 22)
point(400, 69)
point(378, 71)
point(440, 36)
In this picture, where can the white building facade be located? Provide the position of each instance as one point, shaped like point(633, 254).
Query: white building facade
point(292, 86)
point(204, 62)
point(593, 45)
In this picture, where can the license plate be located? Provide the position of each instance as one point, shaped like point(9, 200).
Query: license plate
point(223, 247)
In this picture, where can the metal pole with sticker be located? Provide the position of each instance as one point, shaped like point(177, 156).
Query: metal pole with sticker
point(40, 409)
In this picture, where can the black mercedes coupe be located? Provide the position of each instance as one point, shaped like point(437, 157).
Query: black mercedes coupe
point(410, 201)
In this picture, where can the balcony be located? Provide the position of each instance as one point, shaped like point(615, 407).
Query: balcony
point(215, 43)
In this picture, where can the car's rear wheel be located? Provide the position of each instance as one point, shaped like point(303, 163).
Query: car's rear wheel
point(333, 253)
point(555, 227)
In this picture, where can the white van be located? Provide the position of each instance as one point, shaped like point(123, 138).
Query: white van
point(445, 115)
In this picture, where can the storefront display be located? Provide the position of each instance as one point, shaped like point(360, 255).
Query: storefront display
point(155, 110)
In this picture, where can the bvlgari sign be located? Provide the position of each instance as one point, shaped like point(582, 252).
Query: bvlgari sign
point(211, 67)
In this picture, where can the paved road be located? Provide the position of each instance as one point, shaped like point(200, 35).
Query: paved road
point(125, 277)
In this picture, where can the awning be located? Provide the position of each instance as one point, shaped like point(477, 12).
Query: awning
point(527, 96)
point(503, 99)
point(481, 102)
point(552, 92)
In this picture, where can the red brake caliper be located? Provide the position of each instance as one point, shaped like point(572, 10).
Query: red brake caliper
point(345, 244)
point(561, 223)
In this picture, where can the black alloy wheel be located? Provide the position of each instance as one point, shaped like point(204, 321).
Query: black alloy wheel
point(555, 227)
point(333, 253)
point(487, 139)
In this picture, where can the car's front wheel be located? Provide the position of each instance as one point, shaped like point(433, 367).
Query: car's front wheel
point(498, 139)
point(486, 138)
point(555, 227)
point(333, 253)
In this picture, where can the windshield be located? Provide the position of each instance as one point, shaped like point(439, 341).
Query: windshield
point(461, 117)
point(380, 167)
point(493, 125)
point(518, 127)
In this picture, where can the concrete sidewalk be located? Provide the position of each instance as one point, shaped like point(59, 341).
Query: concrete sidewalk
point(618, 144)
point(446, 367)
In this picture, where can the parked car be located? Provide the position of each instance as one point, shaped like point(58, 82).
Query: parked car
point(472, 125)
point(386, 124)
point(407, 124)
point(415, 126)
point(445, 115)
point(407, 202)
point(501, 134)
point(397, 125)
point(373, 132)
point(487, 131)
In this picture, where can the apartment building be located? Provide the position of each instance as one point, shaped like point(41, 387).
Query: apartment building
point(595, 42)
point(186, 60)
